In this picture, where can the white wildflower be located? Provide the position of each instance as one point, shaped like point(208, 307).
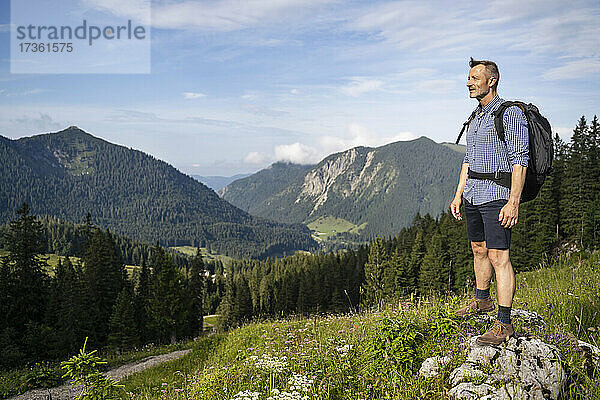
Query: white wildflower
point(271, 363)
point(299, 382)
point(246, 395)
point(343, 350)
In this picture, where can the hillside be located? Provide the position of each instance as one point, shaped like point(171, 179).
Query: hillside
point(70, 173)
point(377, 191)
point(378, 354)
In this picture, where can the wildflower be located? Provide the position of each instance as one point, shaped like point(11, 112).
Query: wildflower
point(271, 363)
point(246, 395)
point(300, 382)
point(343, 350)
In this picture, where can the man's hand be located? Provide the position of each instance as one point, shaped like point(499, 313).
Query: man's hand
point(509, 214)
point(455, 207)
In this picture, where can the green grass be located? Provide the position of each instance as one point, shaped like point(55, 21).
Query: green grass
point(206, 254)
point(45, 374)
point(375, 354)
point(325, 227)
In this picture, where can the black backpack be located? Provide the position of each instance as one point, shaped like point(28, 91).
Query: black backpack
point(541, 148)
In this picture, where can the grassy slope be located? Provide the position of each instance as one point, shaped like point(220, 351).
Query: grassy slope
point(325, 227)
point(385, 347)
point(206, 254)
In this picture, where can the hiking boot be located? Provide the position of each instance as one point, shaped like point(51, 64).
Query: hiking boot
point(476, 306)
point(498, 333)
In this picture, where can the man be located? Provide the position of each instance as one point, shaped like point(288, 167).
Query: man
point(491, 210)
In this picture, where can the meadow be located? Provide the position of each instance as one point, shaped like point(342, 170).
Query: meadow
point(376, 353)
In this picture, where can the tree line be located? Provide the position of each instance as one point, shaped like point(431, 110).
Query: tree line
point(46, 313)
point(431, 255)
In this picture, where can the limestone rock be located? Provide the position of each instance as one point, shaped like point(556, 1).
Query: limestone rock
point(431, 366)
point(470, 391)
point(521, 368)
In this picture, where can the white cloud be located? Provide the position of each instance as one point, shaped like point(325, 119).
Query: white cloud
point(249, 97)
point(359, 136)
point(193, 95)
point(260, 110)
point(437, 85)
point(255, 157)
point(137, 10)
point(361, 85)
point(297, 153)
point(574, 70)
point(40, 124)
point(212, 15)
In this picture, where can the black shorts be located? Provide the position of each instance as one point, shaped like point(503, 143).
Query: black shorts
point(483, 224)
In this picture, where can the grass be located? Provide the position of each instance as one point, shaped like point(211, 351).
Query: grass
point(46, 374)
point(206, 254)
point(324, 227)
point(375, 354)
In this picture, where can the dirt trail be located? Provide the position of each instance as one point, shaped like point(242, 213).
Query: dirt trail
point(66, 392)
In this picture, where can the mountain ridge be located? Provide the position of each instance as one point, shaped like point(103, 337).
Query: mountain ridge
point(383, 186)
point(69, 173)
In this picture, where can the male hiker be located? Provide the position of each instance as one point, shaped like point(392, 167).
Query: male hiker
point(491, 210)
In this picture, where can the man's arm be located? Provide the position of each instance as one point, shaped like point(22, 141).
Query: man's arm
point(509, 214)
point(462, 182)
point(517, 144)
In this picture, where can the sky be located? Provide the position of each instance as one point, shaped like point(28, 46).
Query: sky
point(235, 85)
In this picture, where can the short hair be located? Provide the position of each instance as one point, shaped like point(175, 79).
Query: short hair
point(490, 67)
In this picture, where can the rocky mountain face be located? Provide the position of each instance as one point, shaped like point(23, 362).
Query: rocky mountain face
point(383, 187)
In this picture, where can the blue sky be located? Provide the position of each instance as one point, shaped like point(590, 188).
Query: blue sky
point(238, 84)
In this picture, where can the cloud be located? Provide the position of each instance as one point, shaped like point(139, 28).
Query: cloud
point(297, 153)
point(536, 27)
point(437, 85)
point(193, 95)
point(43, 123)
point(256, 158)
point(212, 15)
point(361, 85)
point(574, 70)
point(260, 110)
point(27, 92)
point(359, 136)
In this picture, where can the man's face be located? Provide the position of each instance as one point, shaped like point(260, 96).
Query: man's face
point(479, 82)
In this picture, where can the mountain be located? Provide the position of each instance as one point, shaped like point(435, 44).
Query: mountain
point(375, 191)
point(218, 182)
point(70, 173)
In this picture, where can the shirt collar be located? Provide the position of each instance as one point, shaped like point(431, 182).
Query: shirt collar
point(489, 106)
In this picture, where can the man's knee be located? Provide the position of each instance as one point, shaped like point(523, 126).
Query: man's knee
point(498, 258)
point(479, 249)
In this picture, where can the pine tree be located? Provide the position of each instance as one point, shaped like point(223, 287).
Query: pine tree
point(416, 258)
point(123, 333)
point(26, 285)
point(435, 274)
point(196, 286)
point(142, 303)
point(373, 287)
point(168, 306)
point(104, 277)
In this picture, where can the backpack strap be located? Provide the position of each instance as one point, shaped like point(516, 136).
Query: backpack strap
point(499, 117)
point(465, 125)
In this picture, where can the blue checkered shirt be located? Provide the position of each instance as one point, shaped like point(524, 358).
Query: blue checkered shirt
point(487, 153)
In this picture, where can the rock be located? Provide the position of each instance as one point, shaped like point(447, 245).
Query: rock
point(465, 371)
point(470, 391)
point(531, 317)
point(521, 368)
point(591, 351)
point(432, 365)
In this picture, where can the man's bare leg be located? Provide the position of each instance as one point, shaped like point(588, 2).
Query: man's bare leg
point(482, 265)
point(505, 276)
